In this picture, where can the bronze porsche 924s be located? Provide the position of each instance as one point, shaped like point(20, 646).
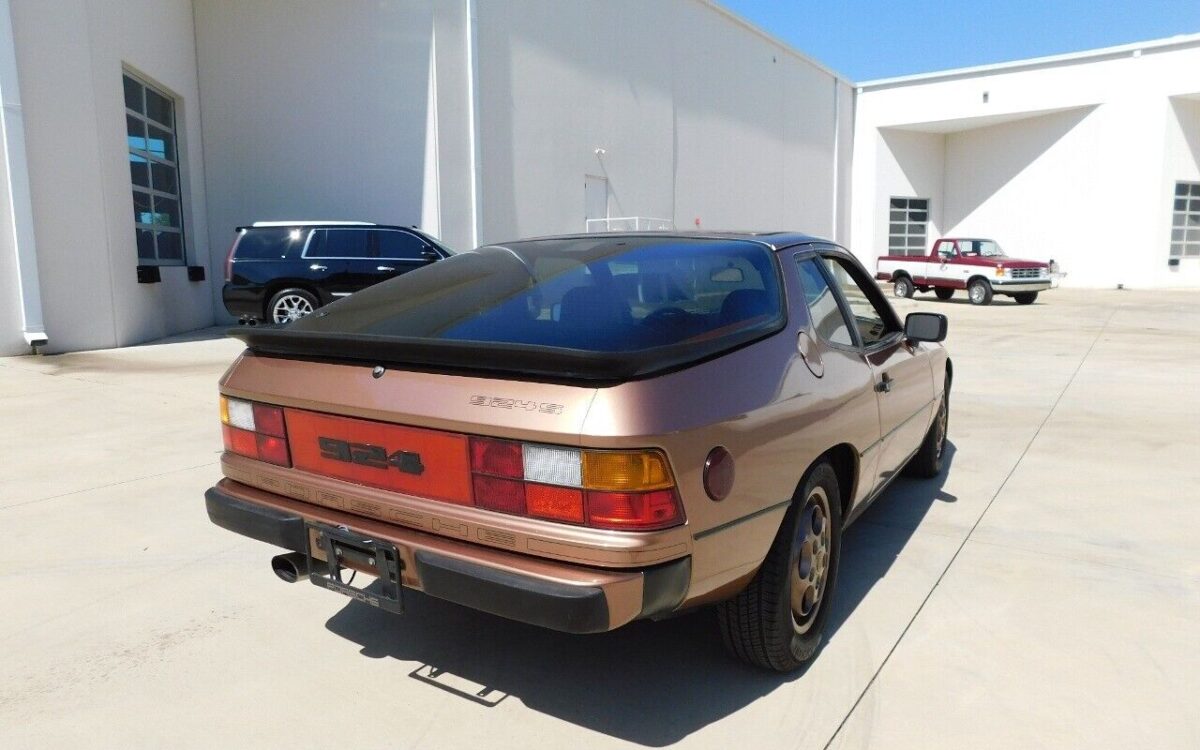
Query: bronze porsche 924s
point(582, 431)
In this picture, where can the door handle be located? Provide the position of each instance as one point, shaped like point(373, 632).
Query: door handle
point(318, 267)
point(385, 268)
point(884, 385)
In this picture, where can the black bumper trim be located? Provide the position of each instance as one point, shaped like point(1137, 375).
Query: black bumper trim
point(248, 519)
point(558, 606)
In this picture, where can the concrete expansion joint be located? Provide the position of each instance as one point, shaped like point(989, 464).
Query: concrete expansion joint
point(953, 558)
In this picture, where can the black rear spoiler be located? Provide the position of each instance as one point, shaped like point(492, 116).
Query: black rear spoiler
point(485, 358)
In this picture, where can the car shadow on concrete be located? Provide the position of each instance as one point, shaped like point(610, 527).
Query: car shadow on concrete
point(650, 683)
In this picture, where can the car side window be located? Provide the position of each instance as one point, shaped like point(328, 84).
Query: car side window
point(873, 322)
point(399, 245)
point(823, 308)
point(340, 243)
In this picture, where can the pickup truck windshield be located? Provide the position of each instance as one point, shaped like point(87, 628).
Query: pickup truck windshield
point(634, 304)
point(986, 248)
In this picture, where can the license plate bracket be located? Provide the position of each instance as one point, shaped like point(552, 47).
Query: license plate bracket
point(341, 545)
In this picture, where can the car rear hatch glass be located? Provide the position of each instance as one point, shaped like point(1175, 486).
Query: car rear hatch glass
point(589, 309)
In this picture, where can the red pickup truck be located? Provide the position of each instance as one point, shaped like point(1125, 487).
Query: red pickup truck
point(977, 265)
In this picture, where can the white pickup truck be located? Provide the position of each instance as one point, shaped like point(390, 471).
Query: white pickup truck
point(977, 265)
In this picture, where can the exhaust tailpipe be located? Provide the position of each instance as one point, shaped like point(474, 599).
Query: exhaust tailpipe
point(290, 567)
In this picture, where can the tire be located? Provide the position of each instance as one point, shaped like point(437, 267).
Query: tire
point(290, 304)
point(762, 625)
point(927, 462)
point(902, 286)
point(979, 291)
point(1025, 298)
point(944, 292)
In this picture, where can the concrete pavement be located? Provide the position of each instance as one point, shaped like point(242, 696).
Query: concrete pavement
point(1044, 592)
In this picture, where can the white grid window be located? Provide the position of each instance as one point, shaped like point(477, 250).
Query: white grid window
point(1185, 221)
point(907, 219)
point(150, 128)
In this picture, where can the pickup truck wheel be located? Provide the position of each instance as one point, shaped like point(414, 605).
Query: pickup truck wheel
point(944, 292)
point(903, 287)
point(1025, 298)
point(979, 292)
point(290, 304)
point(927, 462)
point(777, 622)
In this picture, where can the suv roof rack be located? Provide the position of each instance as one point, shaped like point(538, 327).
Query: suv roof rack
point(308, 223)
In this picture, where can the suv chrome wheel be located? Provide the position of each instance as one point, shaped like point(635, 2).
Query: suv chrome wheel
point(290, 307)
point(809, 572)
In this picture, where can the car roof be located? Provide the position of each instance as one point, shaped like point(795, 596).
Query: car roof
point(776, 240)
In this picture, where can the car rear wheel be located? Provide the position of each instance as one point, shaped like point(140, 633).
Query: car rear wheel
point(290, 304)
point(777, 622)
point(1025, 298)
point(979, 292)
point(902, 287)
point(943, 292)
point(927, 462)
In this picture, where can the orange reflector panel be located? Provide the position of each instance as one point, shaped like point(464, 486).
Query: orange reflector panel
point(412, 460)
point(625, 470)
point(554, 503)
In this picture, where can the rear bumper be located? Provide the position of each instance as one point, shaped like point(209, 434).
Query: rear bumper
point(243, 302)
point(550, 594)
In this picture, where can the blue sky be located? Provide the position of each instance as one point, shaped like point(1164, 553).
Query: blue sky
point(865, 39)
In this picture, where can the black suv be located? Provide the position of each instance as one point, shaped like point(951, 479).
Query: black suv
point(280, 271)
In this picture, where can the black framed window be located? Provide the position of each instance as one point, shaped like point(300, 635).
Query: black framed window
point(908, 219)
point(1185, 221)
point(150, 131)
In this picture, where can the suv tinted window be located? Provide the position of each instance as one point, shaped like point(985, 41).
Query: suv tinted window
point(340, 243)
point(270, 243)
point(399, 245)
point(601, 295)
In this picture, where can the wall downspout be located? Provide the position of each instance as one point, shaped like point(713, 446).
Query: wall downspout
point(473, 105)
point(837, 158)
point(12, 123)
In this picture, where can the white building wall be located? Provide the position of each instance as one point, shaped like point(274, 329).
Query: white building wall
point(699, 116)
point(1072, 159)
point(70, 55)
point(319, 110)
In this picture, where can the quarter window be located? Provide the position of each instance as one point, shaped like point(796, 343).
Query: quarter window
point(823, 308)
point(907, 221)
point(1185, 221)
point(150, 131)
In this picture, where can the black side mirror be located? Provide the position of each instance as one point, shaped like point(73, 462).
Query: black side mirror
point(430, 254)
point(923, 326)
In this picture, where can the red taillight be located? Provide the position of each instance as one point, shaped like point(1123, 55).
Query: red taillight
point(268, 420)
point(554, 503)
point(255, 431)
point(506, 495)
point(273, 450)
point(498, 458)
point(641, 511)
point(229, 258)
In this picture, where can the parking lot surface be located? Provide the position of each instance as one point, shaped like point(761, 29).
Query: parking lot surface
point(1043, 592)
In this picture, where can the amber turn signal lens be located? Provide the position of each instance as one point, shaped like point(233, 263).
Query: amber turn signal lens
point(224, 410)
point(623, 471)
